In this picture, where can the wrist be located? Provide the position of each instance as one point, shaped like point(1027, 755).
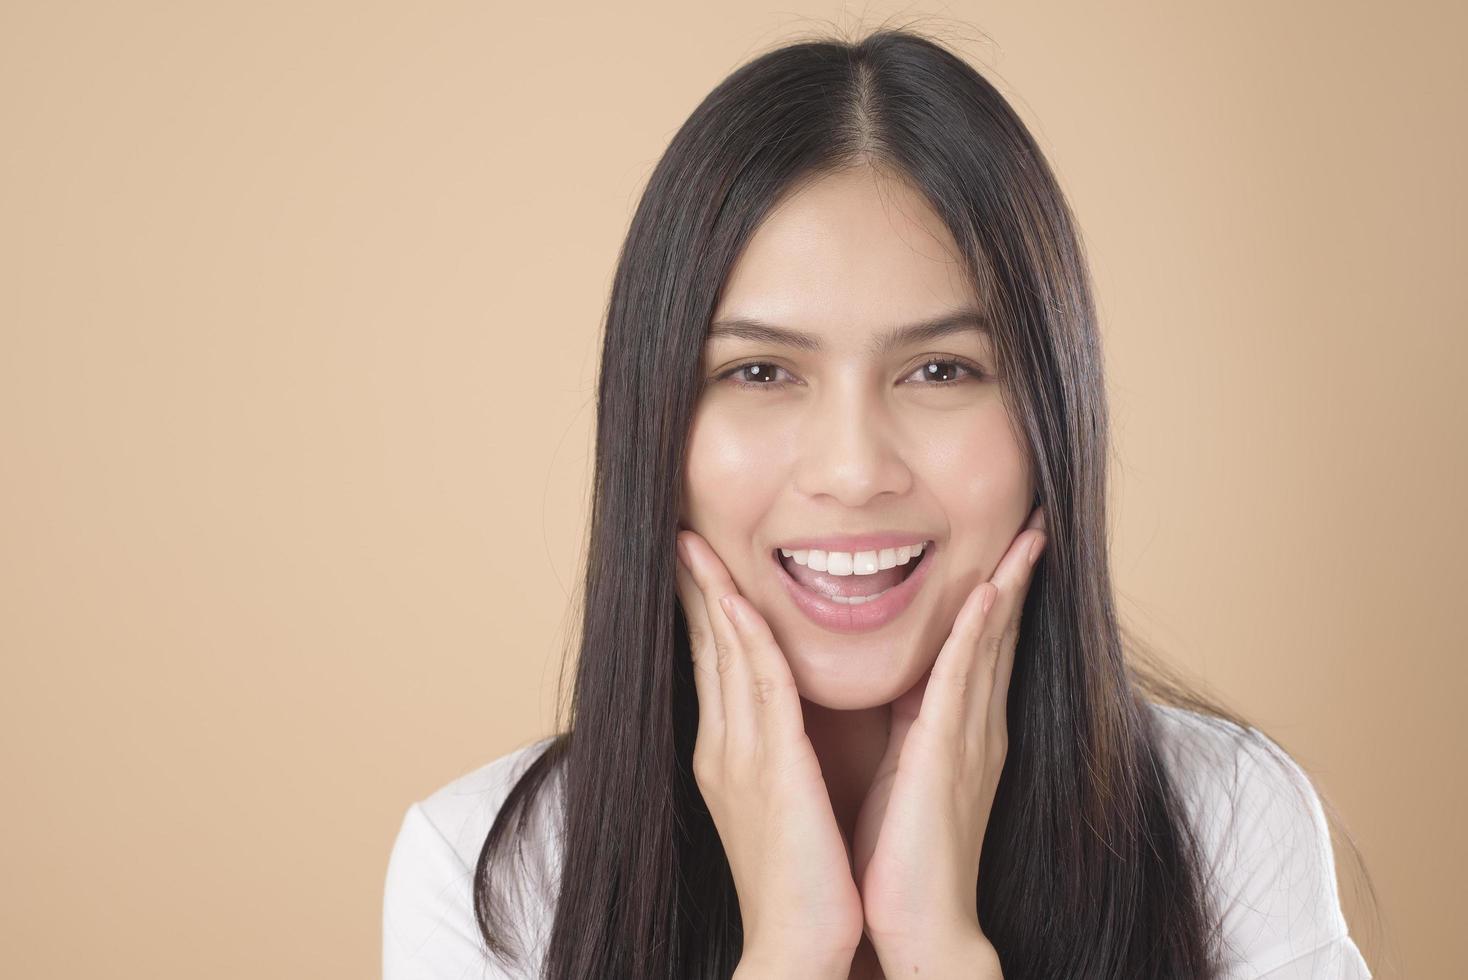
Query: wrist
point(767, 964)
point(985, 958)
point(969, 956)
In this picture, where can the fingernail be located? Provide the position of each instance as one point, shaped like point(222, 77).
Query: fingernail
point(1036, 547)
point(990, 594)
point(682, 551)
point(728, 603)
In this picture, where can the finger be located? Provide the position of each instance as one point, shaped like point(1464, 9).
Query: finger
point(730, 659)
point(904, 712)
point(947, 692)
point(989, 716)
point(773, 683)
point(998, 704)
point(965, 671)
point(700, 640)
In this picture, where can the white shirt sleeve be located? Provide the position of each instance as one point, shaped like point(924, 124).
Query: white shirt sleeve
point(1275, 872)
point(429, 930)
point(428, 926)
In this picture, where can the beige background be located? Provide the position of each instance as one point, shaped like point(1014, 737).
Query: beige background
point(300, 307)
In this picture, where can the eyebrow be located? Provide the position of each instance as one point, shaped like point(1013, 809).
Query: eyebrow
point(933, 328)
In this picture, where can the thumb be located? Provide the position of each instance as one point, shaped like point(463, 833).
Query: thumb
point(904, 713)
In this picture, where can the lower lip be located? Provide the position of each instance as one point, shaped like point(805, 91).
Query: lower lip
point(840, 618)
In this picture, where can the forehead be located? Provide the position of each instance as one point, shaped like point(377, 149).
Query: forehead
point(848, 256)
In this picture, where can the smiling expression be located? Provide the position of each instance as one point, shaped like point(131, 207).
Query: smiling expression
point(822, 418)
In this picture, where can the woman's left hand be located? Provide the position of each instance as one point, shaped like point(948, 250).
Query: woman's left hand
point(918, 837)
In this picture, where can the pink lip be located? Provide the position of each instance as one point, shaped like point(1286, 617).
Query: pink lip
point(868, 616)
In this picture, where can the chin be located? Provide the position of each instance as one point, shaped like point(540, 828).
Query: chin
point(845, 686)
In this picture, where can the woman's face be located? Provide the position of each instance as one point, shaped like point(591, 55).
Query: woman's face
point(842, 435)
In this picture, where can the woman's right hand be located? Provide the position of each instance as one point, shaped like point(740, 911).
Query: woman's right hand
point(762, 783)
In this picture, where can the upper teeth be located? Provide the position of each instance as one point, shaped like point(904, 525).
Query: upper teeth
point(854, 562)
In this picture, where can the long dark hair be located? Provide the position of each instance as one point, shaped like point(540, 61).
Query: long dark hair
point(1089, 868)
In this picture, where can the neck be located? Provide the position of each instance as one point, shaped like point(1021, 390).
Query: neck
point(849, 745)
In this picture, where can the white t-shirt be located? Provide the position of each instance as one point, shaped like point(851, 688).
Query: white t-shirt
point(1271, 856)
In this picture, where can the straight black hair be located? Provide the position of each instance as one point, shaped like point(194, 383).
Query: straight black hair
point(1090, 869)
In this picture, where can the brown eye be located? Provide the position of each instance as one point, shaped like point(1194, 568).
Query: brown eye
point(947, 371)
point(754, 374)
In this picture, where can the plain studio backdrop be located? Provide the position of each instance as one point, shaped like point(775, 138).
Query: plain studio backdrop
point(300, 307)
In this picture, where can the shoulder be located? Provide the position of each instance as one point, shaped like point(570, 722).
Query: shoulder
point(463, 810)
point(1240, 787)
point(429, 924)
point(1265, 841)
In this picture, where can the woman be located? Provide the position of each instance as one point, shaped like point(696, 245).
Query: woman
point(851, 698)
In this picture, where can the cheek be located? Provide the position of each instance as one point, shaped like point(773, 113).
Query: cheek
point(731, 479)
point(979, 472)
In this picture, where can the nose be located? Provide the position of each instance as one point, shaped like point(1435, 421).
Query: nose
point(850, 449)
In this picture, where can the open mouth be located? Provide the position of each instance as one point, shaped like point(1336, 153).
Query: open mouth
point(854, 603)
point(853, 589)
